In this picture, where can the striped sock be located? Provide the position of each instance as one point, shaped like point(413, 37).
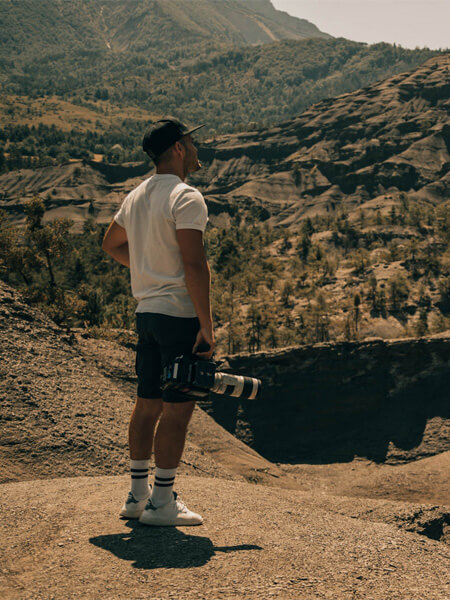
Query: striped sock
point(162, 490)
point(139, 478)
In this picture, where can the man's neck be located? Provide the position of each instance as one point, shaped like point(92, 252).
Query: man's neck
point(170, 170)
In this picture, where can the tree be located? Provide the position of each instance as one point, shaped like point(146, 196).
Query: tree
point(356, 311)
point(255, 329)
point(398, 292)
point(372, 292)
point(421, 325)
point(286, 293)
point(304, 245)
point(48, 241)
point(16, 256)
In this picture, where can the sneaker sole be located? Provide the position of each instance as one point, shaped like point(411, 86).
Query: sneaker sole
point(171, 523)
point(130, 515)
point(125, 515)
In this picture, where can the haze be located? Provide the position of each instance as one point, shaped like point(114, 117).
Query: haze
point(409, 23)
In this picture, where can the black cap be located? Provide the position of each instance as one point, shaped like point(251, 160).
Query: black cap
point(163, 134)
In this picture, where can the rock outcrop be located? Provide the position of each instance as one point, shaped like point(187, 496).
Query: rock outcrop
point(383, 400)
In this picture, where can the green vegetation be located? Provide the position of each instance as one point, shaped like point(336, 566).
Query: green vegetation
point(331, 280)
point(153, 56)
point(43, 145)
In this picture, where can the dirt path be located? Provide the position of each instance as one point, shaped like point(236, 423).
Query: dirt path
point(64, 541)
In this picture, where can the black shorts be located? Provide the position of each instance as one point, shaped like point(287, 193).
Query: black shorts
point(161, 339)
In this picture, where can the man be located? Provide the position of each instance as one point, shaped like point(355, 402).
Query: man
point(158, 234)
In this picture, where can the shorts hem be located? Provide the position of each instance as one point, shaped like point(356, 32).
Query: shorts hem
point(174, 397)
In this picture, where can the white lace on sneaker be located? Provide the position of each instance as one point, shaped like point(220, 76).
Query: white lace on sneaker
point(181, 506)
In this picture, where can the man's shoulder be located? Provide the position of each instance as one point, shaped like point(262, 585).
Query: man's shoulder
point(139, 189)
point(183, 189)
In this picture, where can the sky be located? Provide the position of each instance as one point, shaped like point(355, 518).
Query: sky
point(409, 23)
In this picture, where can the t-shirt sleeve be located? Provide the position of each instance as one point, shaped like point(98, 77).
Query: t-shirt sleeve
point(120, 216)
point(190, 210)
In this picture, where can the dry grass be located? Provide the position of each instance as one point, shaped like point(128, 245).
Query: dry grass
point(22, 110)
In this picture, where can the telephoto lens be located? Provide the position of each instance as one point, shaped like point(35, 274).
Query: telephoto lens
point(197, 377)
point(237, 386)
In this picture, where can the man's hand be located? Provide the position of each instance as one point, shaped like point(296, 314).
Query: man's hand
point(115, 243)
point(205, 337)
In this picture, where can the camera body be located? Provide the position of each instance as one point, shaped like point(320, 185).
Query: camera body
point(189, 375)
point(197, 377)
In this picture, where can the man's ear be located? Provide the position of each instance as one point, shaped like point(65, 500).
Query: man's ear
point(180, 149)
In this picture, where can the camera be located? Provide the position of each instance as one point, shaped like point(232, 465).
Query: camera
point(197, 377)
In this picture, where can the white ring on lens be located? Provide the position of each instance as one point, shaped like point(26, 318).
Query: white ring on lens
point(254, 390)
point(238, 387)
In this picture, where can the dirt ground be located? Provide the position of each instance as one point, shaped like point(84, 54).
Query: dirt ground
point(63, 540)
point(426, 480)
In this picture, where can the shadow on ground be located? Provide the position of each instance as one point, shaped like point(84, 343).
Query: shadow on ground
point(322, 419)
point(162, 547)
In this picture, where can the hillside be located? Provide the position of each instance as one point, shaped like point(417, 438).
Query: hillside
point(68, 46)
point(44, 123)
point(336, 221)
point(358, 151)
point(234, 65)
point(89, 27)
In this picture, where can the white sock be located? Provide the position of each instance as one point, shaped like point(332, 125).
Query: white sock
point(139, 478)
point(163, 486)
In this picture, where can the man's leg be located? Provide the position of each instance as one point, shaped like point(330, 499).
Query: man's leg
point(140, 437)
point(142, 426)
point(169, 445)
point(165, 507)
point(171, 433)
point(176, 337)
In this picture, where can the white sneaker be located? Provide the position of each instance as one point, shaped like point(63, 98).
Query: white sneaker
point(173, 513)
point(132, 508)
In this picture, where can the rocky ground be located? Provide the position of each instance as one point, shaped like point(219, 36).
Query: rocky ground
point(343, 530)
point(64, 540)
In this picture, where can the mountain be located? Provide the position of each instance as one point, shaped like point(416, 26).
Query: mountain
point(336, 222)
point(87, 28)
point(200, 64)
point(361, 150)
point(358, 151)
point(80, 77)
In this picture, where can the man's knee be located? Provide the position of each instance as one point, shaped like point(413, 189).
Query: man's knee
point(179, 411)
point(149, 407)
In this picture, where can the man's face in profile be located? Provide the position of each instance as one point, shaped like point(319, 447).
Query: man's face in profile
point(191, 163)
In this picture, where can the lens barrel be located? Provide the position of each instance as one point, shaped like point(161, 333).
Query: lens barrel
point(237, 386)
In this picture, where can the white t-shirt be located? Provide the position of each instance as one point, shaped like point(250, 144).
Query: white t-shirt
point(150, 214)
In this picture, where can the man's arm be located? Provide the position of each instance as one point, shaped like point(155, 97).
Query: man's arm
point(198, 283)
point(115, 243)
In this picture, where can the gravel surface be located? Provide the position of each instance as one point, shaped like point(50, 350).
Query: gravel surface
point(63, 540)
